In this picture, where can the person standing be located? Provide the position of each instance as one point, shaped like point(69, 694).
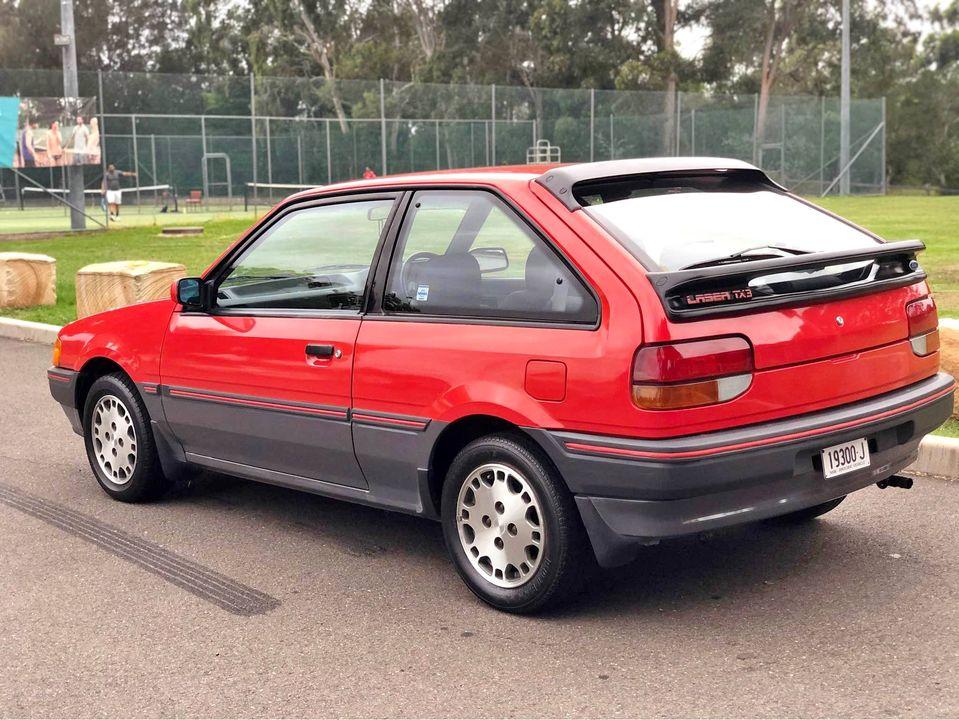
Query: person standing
point(28, 155)
point(81, 136)
point(112, 191)
point(54, 145)
point(368, 173)
point(93, 142)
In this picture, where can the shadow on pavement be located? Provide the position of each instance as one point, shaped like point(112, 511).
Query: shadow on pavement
point(722, 570)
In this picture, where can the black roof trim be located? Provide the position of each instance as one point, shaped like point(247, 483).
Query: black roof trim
point(560, 180)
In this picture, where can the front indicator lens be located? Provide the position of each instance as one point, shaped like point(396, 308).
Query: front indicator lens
point(694, 394)
point(56, 352)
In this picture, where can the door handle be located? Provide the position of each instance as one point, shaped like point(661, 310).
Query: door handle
point(322, 351)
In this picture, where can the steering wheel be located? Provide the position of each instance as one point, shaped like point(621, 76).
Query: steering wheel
point(412, 262)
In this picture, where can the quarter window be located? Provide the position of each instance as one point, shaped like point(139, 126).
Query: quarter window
point(316, 258)
point(466, 254)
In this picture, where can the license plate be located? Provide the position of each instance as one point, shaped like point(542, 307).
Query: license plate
point(845, 457)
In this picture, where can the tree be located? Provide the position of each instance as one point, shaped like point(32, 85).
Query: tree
point(429, 31)
point(117, 34)
point(751, 40)
point(303, 37)
point(212, 41)
point(666, 14)
point(924, 108)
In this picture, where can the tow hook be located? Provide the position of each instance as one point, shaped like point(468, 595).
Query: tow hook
point(895, 481)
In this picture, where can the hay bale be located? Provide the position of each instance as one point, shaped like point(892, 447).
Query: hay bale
point(949, 357)
point(27, 279)
point(106, 286)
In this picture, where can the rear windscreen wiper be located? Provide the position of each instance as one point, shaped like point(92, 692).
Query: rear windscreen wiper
point(747, 255)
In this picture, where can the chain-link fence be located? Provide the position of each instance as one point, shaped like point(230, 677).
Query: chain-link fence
point(226, 139)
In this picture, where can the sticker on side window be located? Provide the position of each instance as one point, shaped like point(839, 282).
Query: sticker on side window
point(422, 293)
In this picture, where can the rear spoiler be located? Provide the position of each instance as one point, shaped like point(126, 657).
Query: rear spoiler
point(794, 280)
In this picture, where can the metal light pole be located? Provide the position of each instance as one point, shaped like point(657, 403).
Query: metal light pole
point(844, 104)
point(71, 89)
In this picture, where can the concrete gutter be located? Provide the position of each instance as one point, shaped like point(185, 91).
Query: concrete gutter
point(938, 456)
point(28, 331)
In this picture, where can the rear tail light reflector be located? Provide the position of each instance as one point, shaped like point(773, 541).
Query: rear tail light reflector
point(925, 344)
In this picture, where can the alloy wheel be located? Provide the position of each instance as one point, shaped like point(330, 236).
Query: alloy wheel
point(114, 439)
point(500, 523)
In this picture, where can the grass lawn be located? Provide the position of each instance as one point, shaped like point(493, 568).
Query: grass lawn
point(949, 429)
point(934, 220)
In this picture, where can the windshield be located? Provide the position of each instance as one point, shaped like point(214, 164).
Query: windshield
point(682, 221)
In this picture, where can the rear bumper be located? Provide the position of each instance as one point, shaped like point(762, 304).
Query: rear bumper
point(633, 492)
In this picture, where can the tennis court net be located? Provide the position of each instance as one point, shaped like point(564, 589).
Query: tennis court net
point(149, 195)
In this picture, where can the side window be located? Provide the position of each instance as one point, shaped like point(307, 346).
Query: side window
point(465, 253)
point(312, 259)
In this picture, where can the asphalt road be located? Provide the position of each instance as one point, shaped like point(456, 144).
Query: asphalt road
point(238, 599)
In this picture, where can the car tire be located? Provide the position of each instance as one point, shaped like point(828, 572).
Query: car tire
point(511, 526)
point(119, 441)
point(810, 513)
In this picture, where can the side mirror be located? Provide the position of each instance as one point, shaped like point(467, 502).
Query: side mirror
point(491, 259)
point(189, 292)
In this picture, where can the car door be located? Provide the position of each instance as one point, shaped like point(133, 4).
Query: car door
point(480, 315)
point(259, 383)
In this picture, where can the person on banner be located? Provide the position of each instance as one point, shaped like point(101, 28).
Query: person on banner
point(54, 145)
point(28, 155)
point(111, 190)
point(81, 141)
point(368, 173)
point(93, 142)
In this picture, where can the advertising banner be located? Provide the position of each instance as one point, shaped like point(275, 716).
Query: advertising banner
point(52, 132)
point(9, 112)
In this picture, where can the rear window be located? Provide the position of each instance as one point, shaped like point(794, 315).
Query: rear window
point(677, 221)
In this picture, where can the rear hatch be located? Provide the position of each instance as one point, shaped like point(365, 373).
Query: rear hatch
point(821, 302)
point(799, 307)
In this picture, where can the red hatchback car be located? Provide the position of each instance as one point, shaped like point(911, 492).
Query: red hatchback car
point(560, 363)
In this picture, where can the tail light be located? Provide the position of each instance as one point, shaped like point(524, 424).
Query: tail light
point(690, 374)
point(56, 352)
point(923, 325)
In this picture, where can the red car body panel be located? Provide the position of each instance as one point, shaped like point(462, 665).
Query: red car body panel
point(131, 337)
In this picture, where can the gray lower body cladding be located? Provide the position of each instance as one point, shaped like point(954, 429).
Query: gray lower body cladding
point(638, 494)
point(63, 388)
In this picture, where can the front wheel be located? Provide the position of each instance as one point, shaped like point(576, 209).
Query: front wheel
point(119, 441)
point(511, 526)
